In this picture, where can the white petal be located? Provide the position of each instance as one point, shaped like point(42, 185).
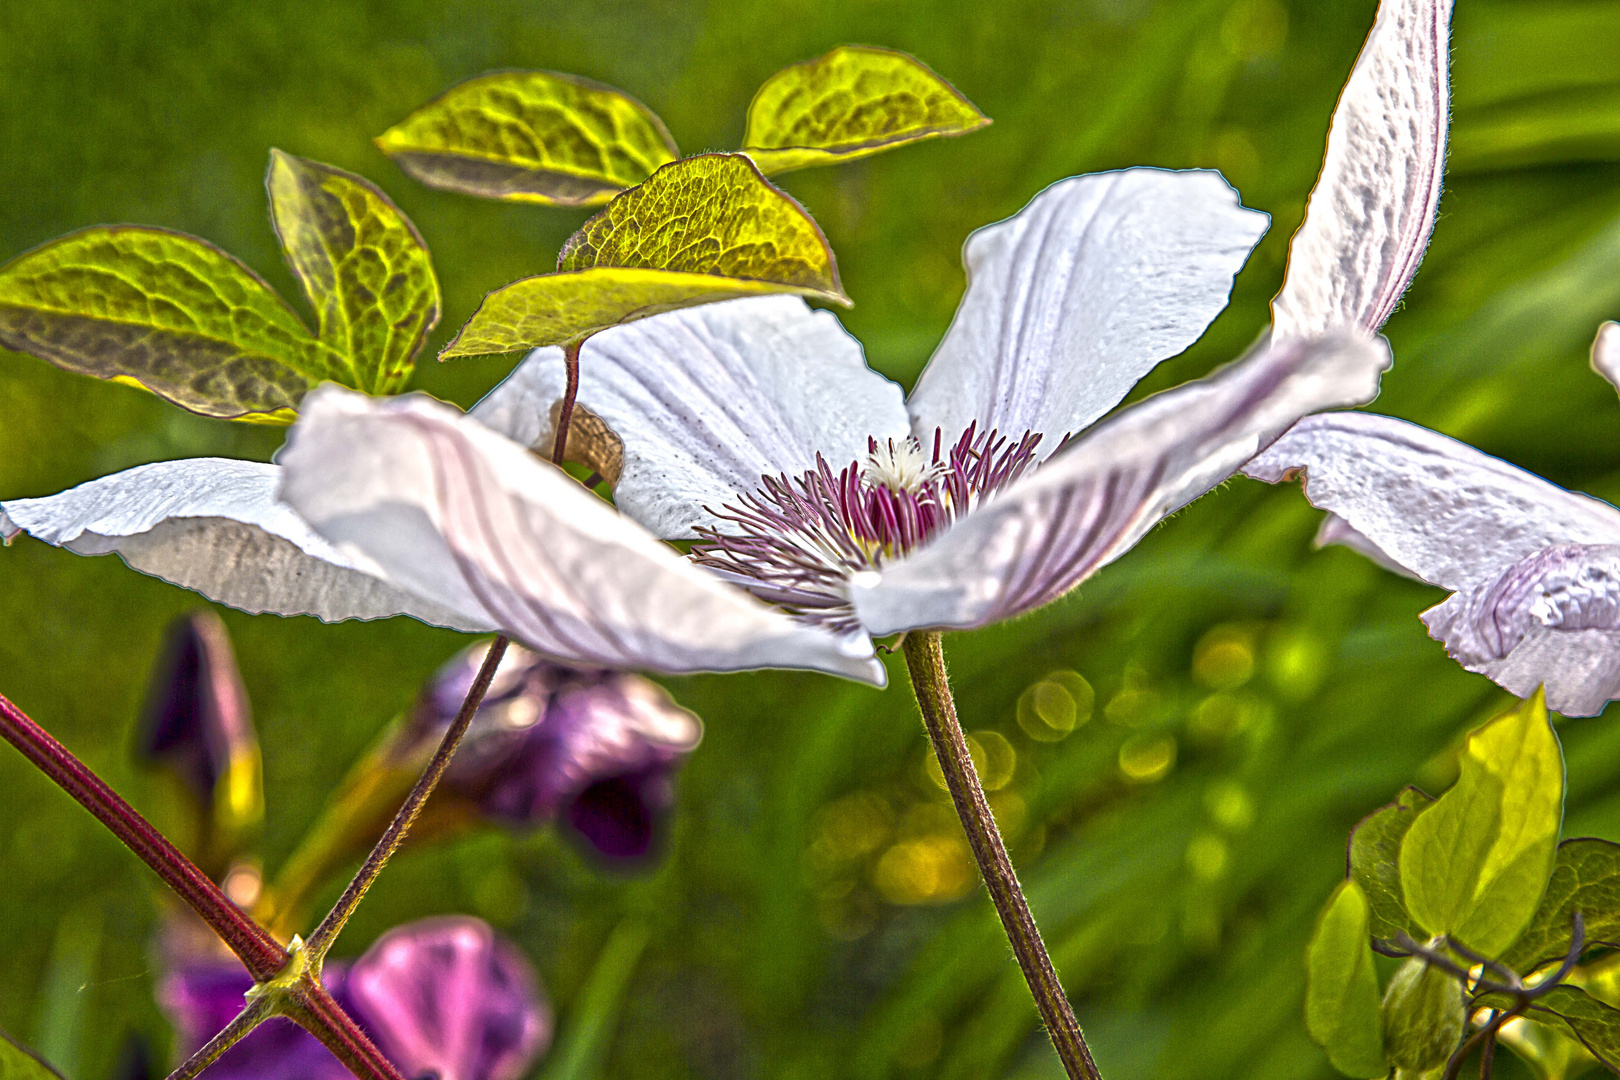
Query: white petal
point(1551, 618)
point(707, 400)
point(1452, 515)
point(1606, 353)
point(1337, 531)
point(1080, 294)
point(1089, 504)
point(452, 510)
point(1371, 212)
point(214, 525)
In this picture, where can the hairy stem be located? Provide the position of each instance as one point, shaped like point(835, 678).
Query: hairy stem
point(314, 1010)
point(565, 415)
point(260, 953)
point(256, 1013)
point(394, 835)
point(925, 660)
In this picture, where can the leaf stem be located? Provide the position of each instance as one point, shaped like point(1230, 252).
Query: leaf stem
point(565, 415)
point(323, 936)
point(260, 953)
point(925, 660)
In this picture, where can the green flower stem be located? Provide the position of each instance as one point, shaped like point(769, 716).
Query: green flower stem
point(925, 660)
point(260, 953)
point(321, 940)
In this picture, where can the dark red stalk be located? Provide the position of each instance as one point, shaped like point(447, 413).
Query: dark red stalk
point(260, 953)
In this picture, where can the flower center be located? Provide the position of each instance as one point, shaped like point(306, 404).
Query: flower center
point(797, 541)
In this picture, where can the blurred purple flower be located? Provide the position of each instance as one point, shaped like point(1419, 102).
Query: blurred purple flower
point(197, 722)
point(596, 748)
point(441, 996)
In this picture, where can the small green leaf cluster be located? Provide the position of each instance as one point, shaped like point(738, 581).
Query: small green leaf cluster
point(175, 315)
point(1476, 892)
point(560, 140)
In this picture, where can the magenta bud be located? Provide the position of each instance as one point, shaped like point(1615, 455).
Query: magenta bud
point(447, 997)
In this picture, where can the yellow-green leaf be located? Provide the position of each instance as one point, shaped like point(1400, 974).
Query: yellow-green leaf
point(703, 229)
point(167, 312)
point(1475, 864)
point(531, 136)
point(1423, 1016)
point(852, 102)
point(1375, 849)
point(710, 214)
point(1341, 988)
point(363, 265)
point(1585, 878)
point(17, 1062)
point(554, 309)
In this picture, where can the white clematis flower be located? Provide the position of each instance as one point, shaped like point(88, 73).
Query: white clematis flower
point(1070, 303)
point(756, 428)
point(1534, 570)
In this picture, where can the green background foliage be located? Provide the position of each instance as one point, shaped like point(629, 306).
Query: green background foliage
point(812, 915)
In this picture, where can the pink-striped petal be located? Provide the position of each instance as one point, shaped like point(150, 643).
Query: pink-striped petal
point(214, 525)
point(1093, 501)
point(1372, 210)
point(1451, 515)
point(704, 402)
point(449, 509)
point(1080, 294)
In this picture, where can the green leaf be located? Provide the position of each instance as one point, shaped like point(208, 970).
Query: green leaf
point(167, 312)
point(554, 309)
point(593, 1016)
point(531, 136)
point(17, 1062)
point(702, 229)
point(1341, 988)
point(1585, 878)
point(1423, 1016)
point(1375, 848)
point(1475, 864)
point(710, 214)
point(363, 265)
point(1569, 1008)
point(851, 103)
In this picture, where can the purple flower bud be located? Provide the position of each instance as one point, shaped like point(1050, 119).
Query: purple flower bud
point(595, 747)
point(446, 997)
point(443, 996)
point(197, 721)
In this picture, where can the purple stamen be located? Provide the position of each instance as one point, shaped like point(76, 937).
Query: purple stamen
point(797, 541)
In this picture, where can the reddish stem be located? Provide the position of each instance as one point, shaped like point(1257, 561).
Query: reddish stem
point(565, 415)
point(260, 953)
point(314, 1010)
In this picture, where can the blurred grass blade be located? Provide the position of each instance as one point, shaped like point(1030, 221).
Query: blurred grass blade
point(166, 312)
point(583, 1046)
point(702, 229)
point(1341, 994)
point(851, 103)
point(531, 136)
point(1476, 863)
point(363, 265)
point(17, 1062)
point(1375, 848)
point(59, 1023)
point(1585, 878)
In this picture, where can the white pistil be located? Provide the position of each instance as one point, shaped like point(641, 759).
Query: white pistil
point(900, 465)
